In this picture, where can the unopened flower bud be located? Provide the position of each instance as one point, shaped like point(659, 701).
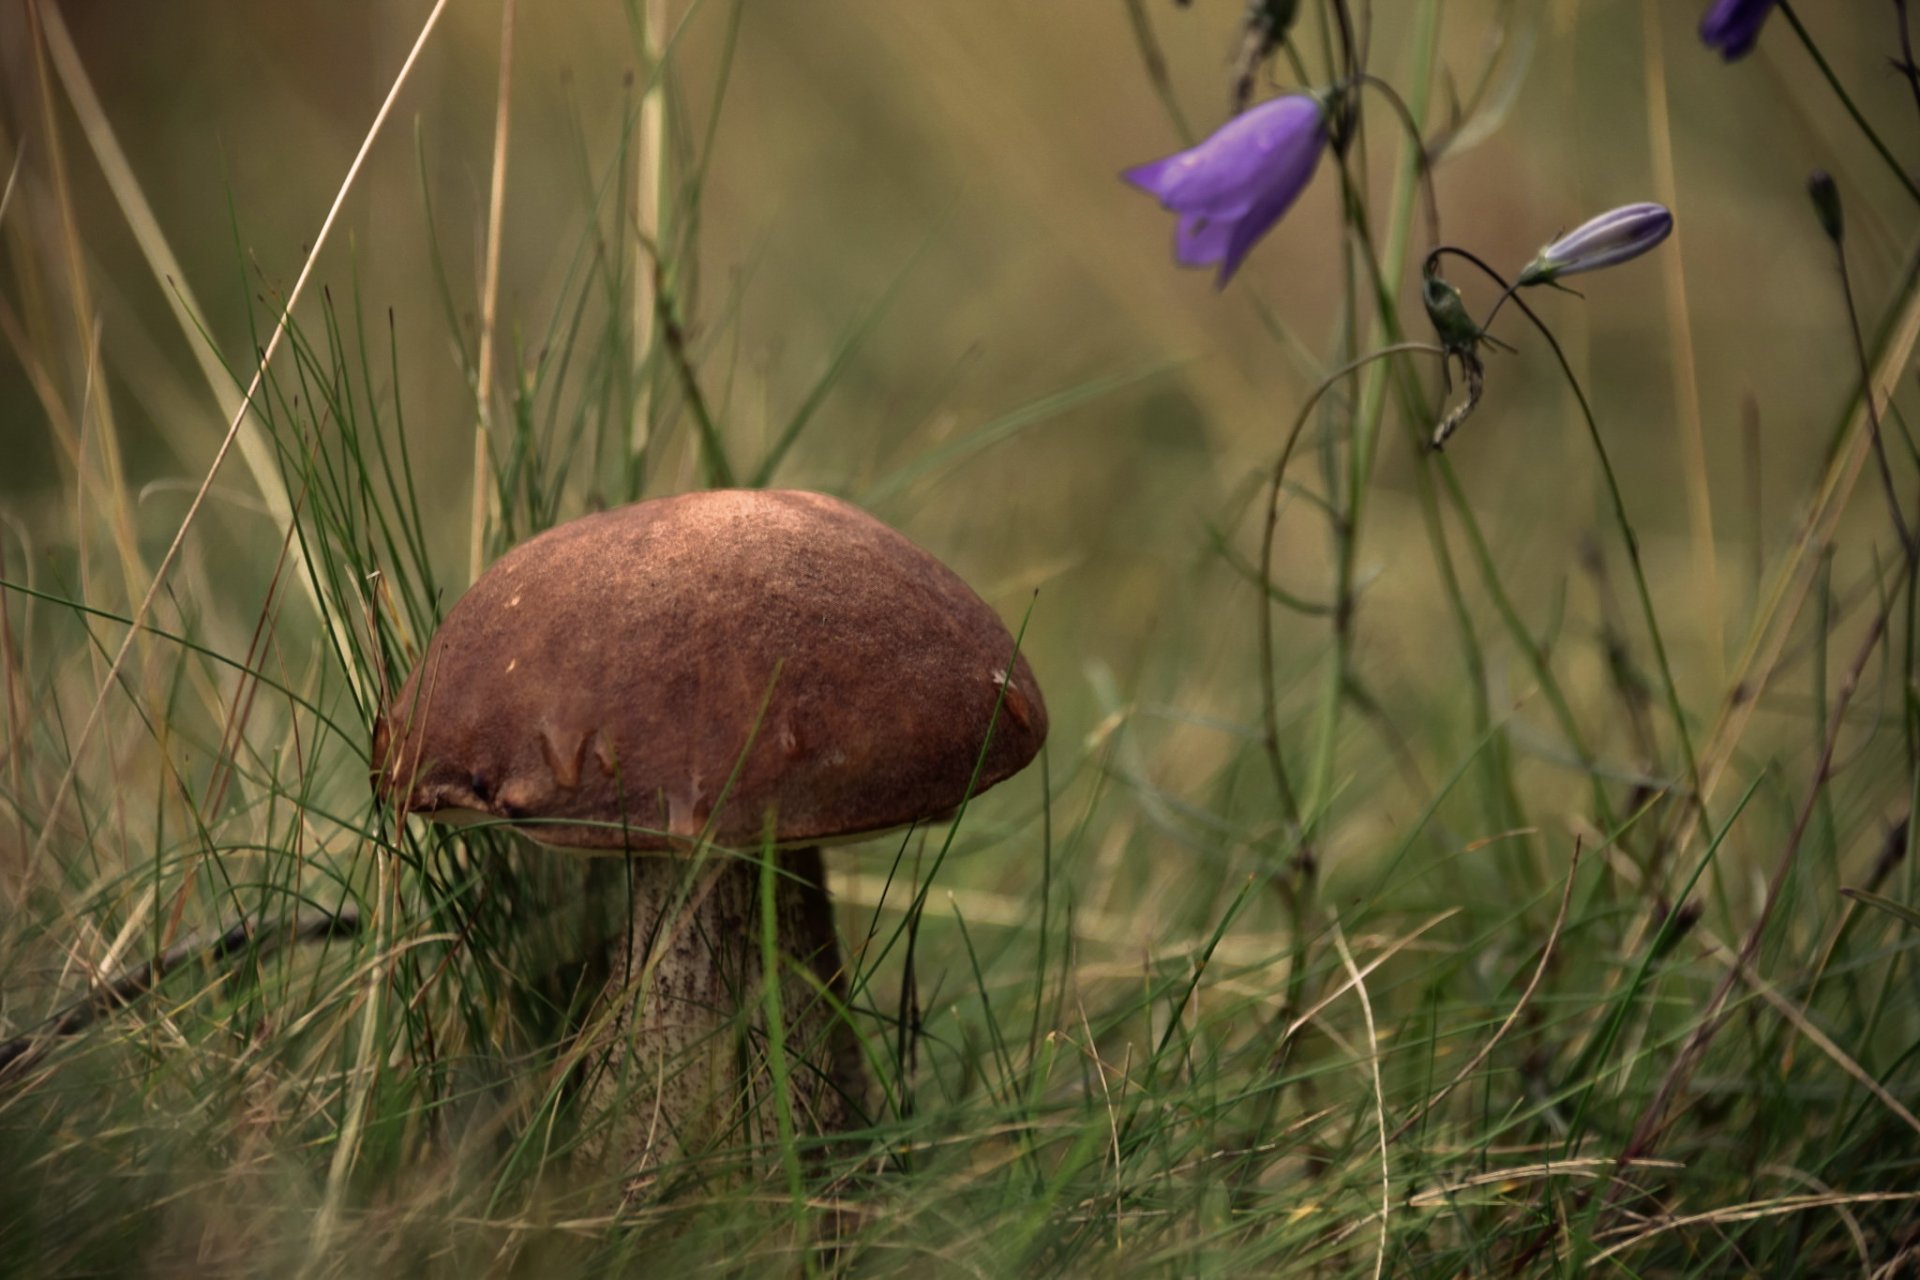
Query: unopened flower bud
point(1614, 236)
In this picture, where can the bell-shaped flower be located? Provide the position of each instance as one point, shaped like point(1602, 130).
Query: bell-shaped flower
point(1731, 26)
point(1231, 188)
point(1614, 236)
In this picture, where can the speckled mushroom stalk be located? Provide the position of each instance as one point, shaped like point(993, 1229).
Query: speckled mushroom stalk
point(696, 675)
point(692, 1071)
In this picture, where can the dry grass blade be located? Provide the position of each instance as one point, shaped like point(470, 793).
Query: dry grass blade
point(1359, 985)
point(160, 260)
point(93, 419)
point(1686, 378)
point(1398, 945)
point(13, 176)
point(1090, 1047)
point(1820, 1039)
point(135, 624)
point(649, 195)
point(1773, 621)
point(1124, 933)
point(1713, 1017)
point(484, 500)
point(1848, 1218)
point(1637, 1235)
point(1526, 998)
point(265, 936)
point(1584, 1167)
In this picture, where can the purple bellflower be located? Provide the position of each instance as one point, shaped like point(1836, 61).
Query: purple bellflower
point(1731, 26)
point(1614, 236)
point(1231, 188)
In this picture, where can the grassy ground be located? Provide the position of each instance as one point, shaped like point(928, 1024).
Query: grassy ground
point(1501, 864)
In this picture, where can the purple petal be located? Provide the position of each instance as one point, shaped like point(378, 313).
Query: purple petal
point(1732, 26)
point(1283, 187)
point(1200, 240)
point(1153, 177)
point(1230, 169)
point(1230, 189)
point(1614, 236)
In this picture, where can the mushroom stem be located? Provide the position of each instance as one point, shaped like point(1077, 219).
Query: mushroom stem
point(688, 1071)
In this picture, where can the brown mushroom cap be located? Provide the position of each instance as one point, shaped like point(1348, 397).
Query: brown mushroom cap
point(602, 683)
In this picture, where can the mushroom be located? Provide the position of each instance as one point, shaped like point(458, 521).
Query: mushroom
point(678, 682)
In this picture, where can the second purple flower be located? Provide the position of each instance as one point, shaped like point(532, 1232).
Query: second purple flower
point(1731, 26)
point(1230, 189)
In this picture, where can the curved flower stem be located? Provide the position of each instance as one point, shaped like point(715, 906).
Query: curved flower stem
point(1269, 695)
point(1297, 889)
point(1155, 62)
point(1500, 778)
point(1423, 163)
point(1846, 99)
point(1506, 296)
point(1416, 410)
point(1620, 515)
point(1538, 660)
point(1482, 555)
point(1352, 55)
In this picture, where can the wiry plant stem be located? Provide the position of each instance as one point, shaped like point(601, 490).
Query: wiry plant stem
point(1694, 797)
point(110, 681)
